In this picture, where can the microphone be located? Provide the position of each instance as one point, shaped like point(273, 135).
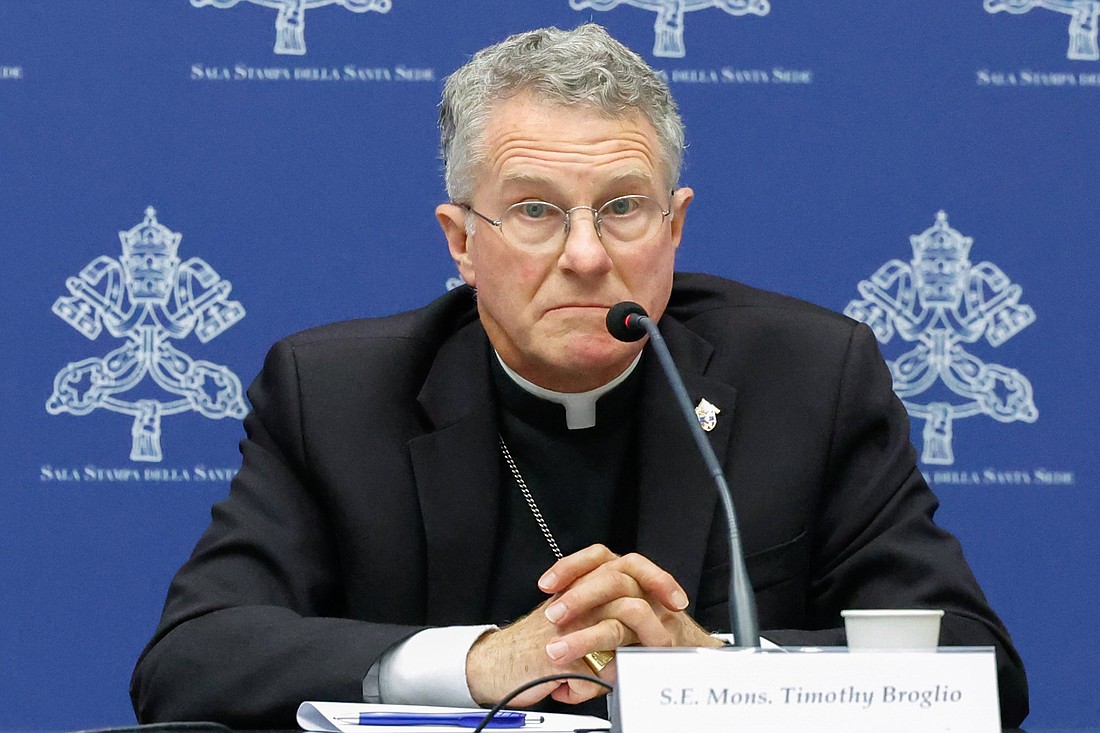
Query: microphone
point(628, 322)
point(622, 321)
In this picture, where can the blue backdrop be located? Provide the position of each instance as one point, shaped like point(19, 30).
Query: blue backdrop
point(285, 173)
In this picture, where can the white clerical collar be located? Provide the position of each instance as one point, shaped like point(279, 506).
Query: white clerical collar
point(580, 407)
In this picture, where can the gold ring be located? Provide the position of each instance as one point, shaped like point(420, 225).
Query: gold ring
point(596, 661)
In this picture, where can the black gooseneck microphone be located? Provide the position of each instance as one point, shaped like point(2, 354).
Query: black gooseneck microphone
point(628, 321)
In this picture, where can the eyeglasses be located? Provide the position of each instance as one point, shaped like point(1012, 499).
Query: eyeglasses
point(542, 226)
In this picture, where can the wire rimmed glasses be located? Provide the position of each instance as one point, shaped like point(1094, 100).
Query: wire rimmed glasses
point(541, 226)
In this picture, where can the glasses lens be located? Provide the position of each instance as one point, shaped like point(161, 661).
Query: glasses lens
point(532, 224)
point(629, 219)
point(623, 220)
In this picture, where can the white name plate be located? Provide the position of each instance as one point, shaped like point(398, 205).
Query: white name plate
point(948, 689)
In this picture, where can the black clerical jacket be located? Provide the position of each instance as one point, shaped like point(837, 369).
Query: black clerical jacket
point(368, 498)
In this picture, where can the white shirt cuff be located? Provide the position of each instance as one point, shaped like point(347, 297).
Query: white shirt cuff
point(429, 668)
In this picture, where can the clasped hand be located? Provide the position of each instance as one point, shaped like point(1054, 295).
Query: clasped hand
point(598, 601)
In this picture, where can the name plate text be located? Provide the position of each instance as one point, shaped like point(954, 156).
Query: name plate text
point(833, 689)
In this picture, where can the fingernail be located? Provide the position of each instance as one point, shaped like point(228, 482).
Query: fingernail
point(546, 582)
point(680, 600)
point(556, 650)
point(554, 612)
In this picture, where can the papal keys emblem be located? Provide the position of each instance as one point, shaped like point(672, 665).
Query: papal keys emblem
point(1083, 21)
point(148, 298)
point(290, 23)
point(668, 29)
point(941, 302)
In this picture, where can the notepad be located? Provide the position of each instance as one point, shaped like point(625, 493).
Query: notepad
point(324, 718)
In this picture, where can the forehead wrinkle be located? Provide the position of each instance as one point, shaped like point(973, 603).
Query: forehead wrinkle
point(624, 138)
point(528, 142)
point(540, 169)
point(520, 154)
point(639, 175)
point(499, 143)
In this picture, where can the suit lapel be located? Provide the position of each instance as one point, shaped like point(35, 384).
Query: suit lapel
point(457, 471)
point(676, 494)
point(458, 479)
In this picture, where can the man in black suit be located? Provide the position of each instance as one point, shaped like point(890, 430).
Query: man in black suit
point(440, 505)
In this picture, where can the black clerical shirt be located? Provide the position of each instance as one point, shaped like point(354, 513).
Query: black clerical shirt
point(584, 482)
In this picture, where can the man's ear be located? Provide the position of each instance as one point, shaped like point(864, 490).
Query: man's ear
point(680, 200)
point(452, 219)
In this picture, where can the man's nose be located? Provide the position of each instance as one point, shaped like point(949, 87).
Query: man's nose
point(584, 251)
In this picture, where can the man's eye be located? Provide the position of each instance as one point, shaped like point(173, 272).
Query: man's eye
point(535, 209)
point(621, 207)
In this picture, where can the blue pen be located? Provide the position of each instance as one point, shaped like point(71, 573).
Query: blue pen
point(461, 720)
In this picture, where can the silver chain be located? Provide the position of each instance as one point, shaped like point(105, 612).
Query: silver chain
point(529, 499)
point(597, 660)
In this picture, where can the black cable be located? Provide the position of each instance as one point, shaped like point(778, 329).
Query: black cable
point(535, 683)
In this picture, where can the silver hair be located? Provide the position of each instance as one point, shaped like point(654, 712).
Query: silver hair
point(583, 67)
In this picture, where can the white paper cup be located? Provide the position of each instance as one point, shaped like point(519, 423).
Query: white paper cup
point(895, 628)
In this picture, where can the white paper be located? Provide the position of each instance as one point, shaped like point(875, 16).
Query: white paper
point(322, 716)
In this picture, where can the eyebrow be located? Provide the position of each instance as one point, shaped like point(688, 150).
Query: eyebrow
point(633, 176)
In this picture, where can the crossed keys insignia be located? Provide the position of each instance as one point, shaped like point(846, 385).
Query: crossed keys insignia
point(668, 29)
point(290, 23)
point(1083, 15)
point(941, 302)
point(149, 298)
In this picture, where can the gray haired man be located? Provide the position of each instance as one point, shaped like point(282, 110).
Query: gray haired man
point(438, 506)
